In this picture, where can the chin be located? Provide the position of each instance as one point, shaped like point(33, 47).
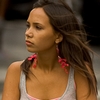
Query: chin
point(31, 50)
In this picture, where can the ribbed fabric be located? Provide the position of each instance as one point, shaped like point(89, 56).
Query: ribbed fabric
point(69, 94)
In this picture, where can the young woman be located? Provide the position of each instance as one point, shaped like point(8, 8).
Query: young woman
point(61, 66)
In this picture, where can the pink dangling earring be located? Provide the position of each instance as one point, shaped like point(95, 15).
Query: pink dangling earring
point(35, 59)
point(63, 62)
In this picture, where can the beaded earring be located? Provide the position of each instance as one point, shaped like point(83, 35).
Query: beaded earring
point(63, 63)
point(35, 59)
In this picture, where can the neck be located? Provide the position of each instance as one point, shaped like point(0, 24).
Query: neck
point(47, 62)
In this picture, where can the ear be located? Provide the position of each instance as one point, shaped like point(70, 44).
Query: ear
point(59, 38)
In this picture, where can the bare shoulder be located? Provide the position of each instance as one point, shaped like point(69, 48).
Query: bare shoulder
point(15, 66)
point(11, 83)
point(13, 71)
point(82, 87)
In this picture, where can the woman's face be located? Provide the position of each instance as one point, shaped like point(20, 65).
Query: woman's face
point(40, 36)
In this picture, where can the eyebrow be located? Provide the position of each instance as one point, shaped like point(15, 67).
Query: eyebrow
point(34, 23)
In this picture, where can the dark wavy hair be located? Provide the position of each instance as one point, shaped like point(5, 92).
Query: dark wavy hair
point(74, 46)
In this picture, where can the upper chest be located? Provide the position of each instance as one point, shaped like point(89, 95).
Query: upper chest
point(50, 85)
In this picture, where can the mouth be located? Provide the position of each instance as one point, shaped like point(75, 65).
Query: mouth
point(29, 43)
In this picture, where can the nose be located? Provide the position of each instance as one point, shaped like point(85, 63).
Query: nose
point(29, 33)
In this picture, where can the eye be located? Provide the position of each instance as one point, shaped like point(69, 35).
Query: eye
point(27, 25)
point(38, 27)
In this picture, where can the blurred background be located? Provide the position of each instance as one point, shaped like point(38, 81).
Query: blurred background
point(13, 15)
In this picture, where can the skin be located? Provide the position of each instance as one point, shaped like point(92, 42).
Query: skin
point(42, 39)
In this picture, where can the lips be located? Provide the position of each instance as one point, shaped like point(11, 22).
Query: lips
point(28, 43)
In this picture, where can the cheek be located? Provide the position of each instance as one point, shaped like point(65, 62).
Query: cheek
point(46, 42)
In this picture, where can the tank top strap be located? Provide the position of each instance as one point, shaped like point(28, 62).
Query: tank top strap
point(22, 87)
point(70, 92)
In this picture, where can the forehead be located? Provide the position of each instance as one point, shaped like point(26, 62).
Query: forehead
point(38, 14)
